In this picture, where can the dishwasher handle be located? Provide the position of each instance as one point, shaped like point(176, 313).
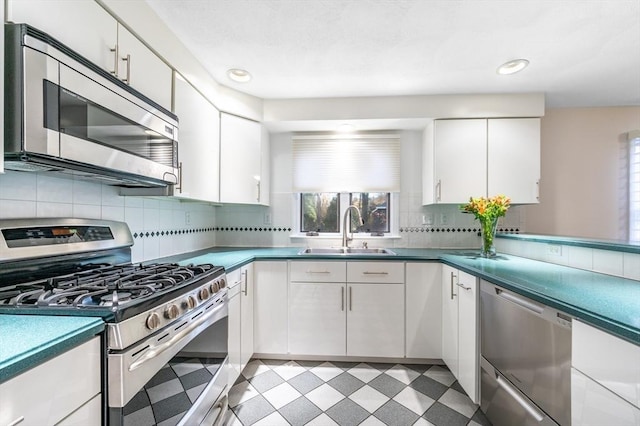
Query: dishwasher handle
point(520, 301)
point(529, 408)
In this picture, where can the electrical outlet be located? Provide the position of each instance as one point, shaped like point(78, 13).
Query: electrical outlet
point(267, 219)
point(187, 218)
point(444, 219)
point(554, 249)
point(427, 219)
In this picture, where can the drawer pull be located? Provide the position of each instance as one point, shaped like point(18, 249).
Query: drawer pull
point(342, 303)
point(375, 273)
point(452, 277)
point(462, 285)
point(16, 421)
point(318, 272)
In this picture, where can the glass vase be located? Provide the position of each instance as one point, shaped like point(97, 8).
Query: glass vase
point(488, 228)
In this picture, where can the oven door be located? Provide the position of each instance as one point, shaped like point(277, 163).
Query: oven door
point(178, 374)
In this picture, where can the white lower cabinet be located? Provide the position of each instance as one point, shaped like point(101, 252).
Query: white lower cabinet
point(460, 342)
point(240, 321)
point(346, 308)
point(423, 310)
point(605, 378)
point(51, 393)
point(270, 298)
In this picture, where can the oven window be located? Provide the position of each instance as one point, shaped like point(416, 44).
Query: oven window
point(74, 115)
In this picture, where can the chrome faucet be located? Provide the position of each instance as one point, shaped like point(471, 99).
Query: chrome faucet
point(345, 240)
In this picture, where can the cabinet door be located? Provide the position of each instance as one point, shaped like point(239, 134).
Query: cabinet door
point(317, 316)
point(270, 321)
point(468, 357)
point(240, 160)
point(199, 136)
point(423, 317)
point(450, 318)
point(246, 312)
point(460, 160)
point(375, 320)
point(514, 158)
point(83, 26)
point(142, 69)
point(234, 335)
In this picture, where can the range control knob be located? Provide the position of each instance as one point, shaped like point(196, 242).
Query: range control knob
point(215, 287)
point(189, 302)
point(153, 321)
point(171, 312)
point(223, 283)
point(203, 293)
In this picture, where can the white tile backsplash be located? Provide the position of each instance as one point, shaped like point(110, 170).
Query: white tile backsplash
point(580, 257)
point(631, 266)
point(608, 262)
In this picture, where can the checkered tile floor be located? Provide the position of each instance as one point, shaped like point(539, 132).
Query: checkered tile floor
point(273, 393)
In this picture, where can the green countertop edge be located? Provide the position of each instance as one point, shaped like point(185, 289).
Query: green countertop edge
point(622, 246)
point(16, 365)
point(235, 257)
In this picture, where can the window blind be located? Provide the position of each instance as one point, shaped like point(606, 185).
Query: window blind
point(361, 164)
point(634, 186)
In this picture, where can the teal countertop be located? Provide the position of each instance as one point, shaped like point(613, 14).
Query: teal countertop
point(28, 340)
point(605, 301)
point(615, 245)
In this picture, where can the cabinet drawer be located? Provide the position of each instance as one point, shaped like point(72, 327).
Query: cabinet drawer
point(234, 278)
point(375, 272)
point(608, 360)
point(52, 390)
point(325, 272)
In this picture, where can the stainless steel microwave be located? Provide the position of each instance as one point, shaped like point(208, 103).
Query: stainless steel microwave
point(65, 114)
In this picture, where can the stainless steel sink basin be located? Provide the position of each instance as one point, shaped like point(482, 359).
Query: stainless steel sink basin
point(348, 250)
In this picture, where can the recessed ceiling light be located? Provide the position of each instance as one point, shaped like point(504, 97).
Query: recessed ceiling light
point(513, 67)
point(238, 75)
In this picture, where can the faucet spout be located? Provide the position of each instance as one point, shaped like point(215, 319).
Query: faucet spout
point(345, 239)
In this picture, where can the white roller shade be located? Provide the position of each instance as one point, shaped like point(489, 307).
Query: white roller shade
point(364, 164)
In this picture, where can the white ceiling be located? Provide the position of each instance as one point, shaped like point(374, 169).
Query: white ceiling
point(582, 53)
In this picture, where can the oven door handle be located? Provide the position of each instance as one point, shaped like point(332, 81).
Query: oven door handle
point(155, 351)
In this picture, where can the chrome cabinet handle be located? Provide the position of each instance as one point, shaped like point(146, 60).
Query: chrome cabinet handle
point(439, 190)
point(179, 187)
point(462, 285)
point(375, 273)
point(16, 421)
point(519, 399)
point(244, 273)
point(318, 272)
point(342, 298)
point(350, 299)
point(127, 79)
point(538, 190)
point(224, 407)
point(258, 197)
point(116, 55)
point(452, 277)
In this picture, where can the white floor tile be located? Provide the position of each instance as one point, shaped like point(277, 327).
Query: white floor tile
point(414, 400)
point(324, 397)
point(364, 372)
point(281, 395)
point(322, 420)
point(289, 370)
point(372, 421)
point(441, 375)
point(254, 368)
point(232, 420)
point(423, 422)
point(241, 392)
point(459, 402)
point(273, 419)
point(369, 398)
point(402, 373)
point(327, 371)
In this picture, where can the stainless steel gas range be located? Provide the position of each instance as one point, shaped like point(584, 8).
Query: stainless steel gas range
point(165, 356)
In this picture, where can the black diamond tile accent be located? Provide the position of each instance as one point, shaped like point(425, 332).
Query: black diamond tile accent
point(135, 235)
point(146, 234)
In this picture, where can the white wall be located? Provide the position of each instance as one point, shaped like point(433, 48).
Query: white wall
point(186, 226)
point(583, 187)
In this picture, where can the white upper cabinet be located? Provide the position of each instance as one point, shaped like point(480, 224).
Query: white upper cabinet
point(482, 157)
point(199, 146)
point(91, 31)
point(513, 159)
point(241, 153)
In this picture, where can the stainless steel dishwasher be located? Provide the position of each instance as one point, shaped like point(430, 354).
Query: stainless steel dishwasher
point(526, 360)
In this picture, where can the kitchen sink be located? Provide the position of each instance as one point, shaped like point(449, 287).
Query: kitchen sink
point(348, 250)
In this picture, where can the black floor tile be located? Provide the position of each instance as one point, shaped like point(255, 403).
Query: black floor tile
point(300, 412)
point(347, 413)
point(433, 389)
point(394, 414)
point(441, 415)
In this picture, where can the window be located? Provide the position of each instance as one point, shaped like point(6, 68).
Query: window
point(320, 212)
point(374, 207)
point(634, 186)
